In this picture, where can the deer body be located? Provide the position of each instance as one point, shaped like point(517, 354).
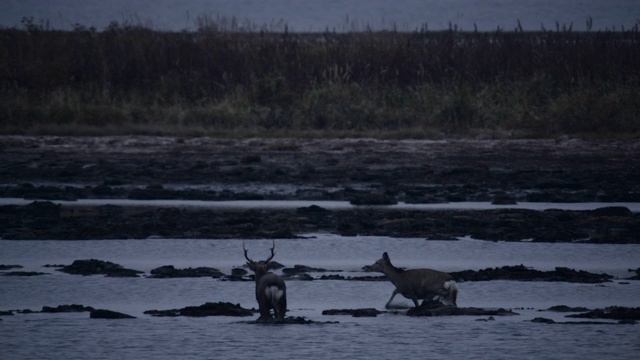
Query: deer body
point(417, 284)
point(271, 291)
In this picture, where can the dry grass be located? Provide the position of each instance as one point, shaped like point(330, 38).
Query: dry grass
point(133, 80)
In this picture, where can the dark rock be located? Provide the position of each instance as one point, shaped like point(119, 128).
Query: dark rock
point(298, 269)
point(431, 309)
point(543, 320)
point(67, 308)
point(368, 278)
point(621, 211)
point(207, 309)
point(168, 271)
point(490, 318)
point(564, 308)
point(367, 312)
point(290, 320)
point(98, 267)
point(332, 277)
point(311, 210)
point(108, 314)
point(23, 273)
point(441, 237)
point(6, 313)
point(9, 267)
point(636, 276)
point(522, 273)
point(613, 312)
point(238, 272)
point(300, 276)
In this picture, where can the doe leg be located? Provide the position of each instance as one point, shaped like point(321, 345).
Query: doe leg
point(388, 305)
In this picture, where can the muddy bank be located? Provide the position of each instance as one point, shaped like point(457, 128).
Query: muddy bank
point(564, 170)
point(46, 220)
point(361, 171)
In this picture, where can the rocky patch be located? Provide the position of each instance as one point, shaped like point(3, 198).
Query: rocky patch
point(72, 308)
point(108, 314)
point(612, 312)
point(523, 273)
point(368, 312)
point(67, 308)
point(565, 308)
point(637, 274)
point(435, 309)
point(23, 273)
point(298, 269)
point(207, 309)
point(542, 320)
point(455, 170)
point(98, 267)
point(169, 271)
point(45, 220)
point(9, 267)
point(368, 173)
point(289, 320)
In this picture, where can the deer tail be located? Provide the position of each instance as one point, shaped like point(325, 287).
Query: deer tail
point(452, 289)
point(274, 293)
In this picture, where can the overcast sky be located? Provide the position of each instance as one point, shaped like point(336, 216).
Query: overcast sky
point(318, 15)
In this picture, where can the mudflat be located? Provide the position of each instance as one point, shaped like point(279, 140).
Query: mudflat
point(365, 172)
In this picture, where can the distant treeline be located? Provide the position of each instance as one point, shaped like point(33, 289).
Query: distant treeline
point(134, 80)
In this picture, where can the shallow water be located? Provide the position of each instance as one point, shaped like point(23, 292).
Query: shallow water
point(391, 335)
point(329, 204)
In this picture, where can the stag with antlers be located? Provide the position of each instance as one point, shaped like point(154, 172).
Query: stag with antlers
point(271, 291)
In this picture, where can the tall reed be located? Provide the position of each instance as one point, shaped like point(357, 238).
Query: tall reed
point(132, 79)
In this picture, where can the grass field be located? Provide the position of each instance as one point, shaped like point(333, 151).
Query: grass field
point(423, 84)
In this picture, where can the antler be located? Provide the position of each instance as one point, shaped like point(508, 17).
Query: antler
point(246, 256)
point(273, 253)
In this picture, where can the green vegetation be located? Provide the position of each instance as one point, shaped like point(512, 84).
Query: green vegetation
point(422, 84)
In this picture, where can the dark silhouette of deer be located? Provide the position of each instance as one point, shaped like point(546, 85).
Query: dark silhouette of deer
point(271, 291)
point(416, 284)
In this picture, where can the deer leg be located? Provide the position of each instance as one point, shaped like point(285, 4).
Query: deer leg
point(280, 309)
point(265, 313)
point(388, 305)
point(432, 299)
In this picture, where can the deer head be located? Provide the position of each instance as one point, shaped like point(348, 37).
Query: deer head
point(259, 267)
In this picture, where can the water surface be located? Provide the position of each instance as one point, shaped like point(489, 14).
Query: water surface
point(391, 335)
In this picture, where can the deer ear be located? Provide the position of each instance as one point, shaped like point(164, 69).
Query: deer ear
point(385, 256)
